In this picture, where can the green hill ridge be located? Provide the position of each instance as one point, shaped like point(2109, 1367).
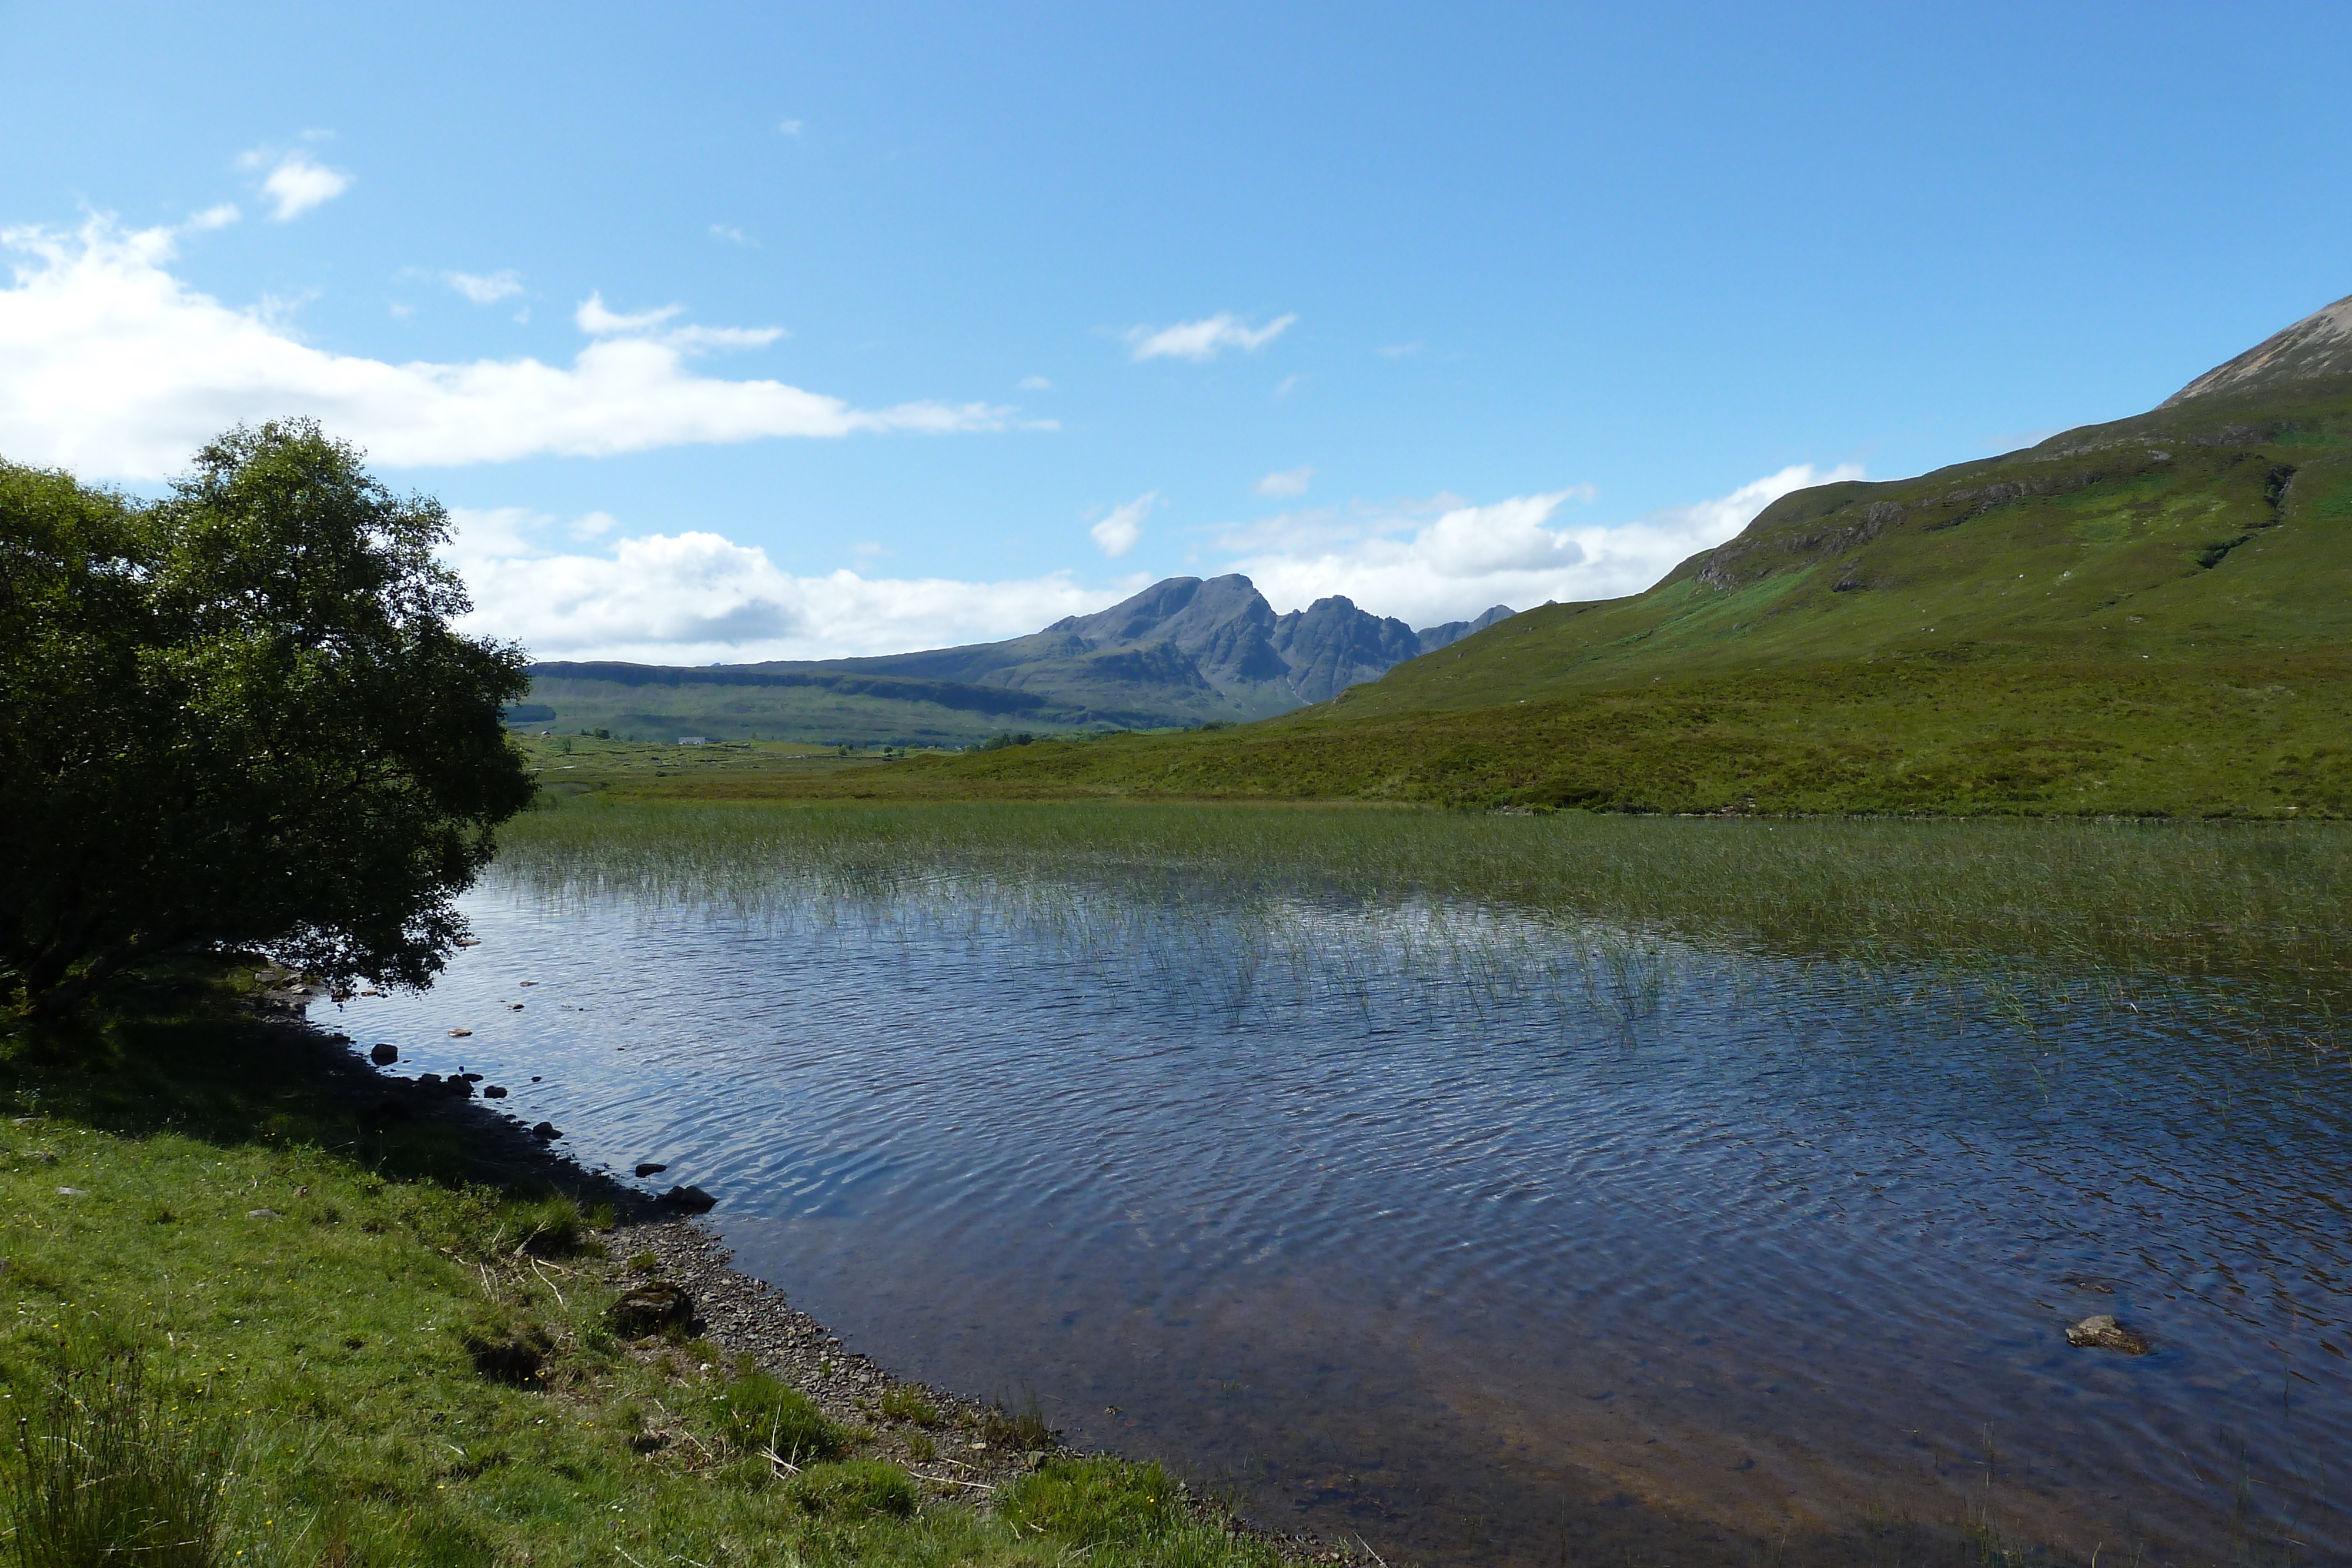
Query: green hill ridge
point(2145, 616)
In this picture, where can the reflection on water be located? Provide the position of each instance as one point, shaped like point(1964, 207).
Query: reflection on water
point(1468, 1231)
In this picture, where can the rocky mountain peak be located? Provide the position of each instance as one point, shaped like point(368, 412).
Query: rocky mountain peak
point(2318, 345)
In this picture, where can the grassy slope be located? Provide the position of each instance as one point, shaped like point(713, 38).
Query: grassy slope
point(2145, 617)
point(326, 1341)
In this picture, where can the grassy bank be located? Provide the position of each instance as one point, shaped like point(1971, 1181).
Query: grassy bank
point(221, 1243)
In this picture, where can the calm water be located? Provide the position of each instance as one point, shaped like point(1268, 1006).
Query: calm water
point(1487, 1238)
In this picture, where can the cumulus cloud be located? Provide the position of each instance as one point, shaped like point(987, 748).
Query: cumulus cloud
point(1448, 559)
point(733, 235)
point(113, 367)
point(503, 284)
point(1116, 533)
point(1286, 481)
point(1203, 340)
point(1035, 384)
point(700, 597)
point(296, 182)
point(217, 217)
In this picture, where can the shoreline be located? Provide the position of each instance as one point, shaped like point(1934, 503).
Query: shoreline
point(741, 1316)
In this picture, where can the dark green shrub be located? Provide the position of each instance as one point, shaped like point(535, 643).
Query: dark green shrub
point(855, 1488)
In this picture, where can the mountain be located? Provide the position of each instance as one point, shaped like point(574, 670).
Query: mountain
point(2317, 347)
point(1184, 652)
point(2149, 616)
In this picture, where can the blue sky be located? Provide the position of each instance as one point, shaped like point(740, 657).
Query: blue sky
point(986, 315)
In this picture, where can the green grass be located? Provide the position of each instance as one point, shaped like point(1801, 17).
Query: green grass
point(332, 1342)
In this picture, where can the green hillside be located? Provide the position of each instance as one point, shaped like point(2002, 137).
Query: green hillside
point(2201, 534)
point(2149, 616)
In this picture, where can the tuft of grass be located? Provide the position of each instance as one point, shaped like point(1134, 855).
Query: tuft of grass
point(755, 1413)
point(101, 1474)
point(906, 1403)
point(1023, 1429)
point(855, 1488)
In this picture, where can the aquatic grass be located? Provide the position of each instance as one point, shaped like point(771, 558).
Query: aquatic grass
point(2201, 897)
point(1236, 908)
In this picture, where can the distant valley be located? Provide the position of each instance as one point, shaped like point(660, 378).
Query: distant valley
point(1184, 653)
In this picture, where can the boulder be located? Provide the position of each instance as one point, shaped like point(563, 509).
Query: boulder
point(547, 1130)
point(650, 1308)
point(384, 1053)
point(494, 1091)
point(692, 1199)
point(650, 1167)
point(2102, 1332)
point(459, 1033)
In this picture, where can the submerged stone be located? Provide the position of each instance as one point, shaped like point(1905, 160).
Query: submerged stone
point(2102, 1332)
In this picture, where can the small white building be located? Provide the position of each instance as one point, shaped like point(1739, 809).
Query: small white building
point(694, 740)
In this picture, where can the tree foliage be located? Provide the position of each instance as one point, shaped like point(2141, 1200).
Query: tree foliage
point(240, 717)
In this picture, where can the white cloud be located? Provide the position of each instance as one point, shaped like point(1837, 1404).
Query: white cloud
point(111, 366)
point(1397, 351)
point(1287, 482)
point(216, 217)
point(503, 284)
point(1116, 533)
point(592, 318)
point(1426, 570)
point(592, 525)
point(296, 184)
point(788, 128)
point(1203, 340)
point(1286, 385)
point(1035, 384)
point(700, 597)
point(733, 235)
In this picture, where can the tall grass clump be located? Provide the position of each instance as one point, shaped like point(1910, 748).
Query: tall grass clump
point(101, 1474)
point(760, 1414)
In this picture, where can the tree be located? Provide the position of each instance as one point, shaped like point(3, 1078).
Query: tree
point(239, 718)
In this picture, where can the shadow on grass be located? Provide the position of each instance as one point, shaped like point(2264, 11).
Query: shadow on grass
point(191, 1049)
